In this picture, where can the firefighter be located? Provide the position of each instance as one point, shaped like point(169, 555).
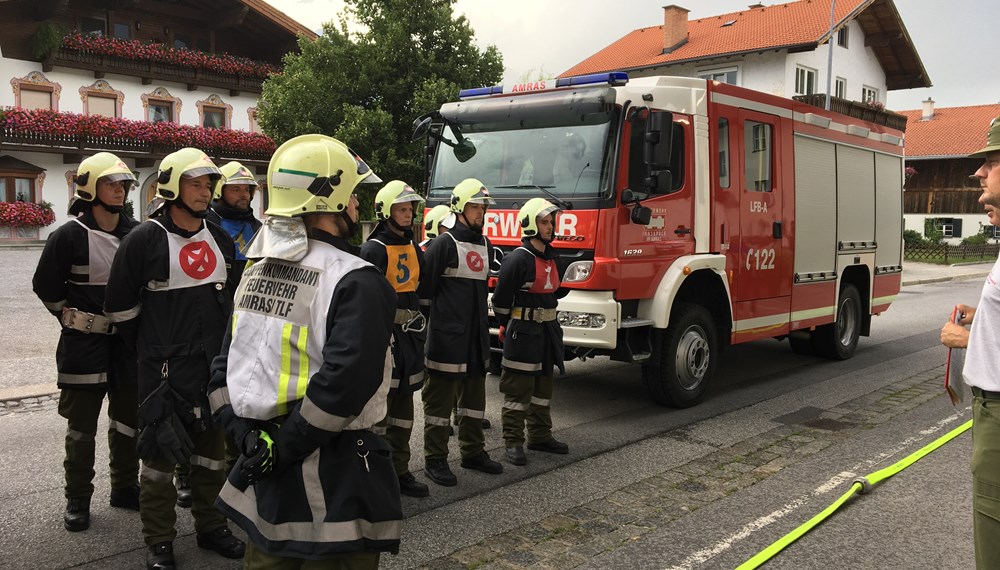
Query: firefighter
point(524, 301)
point(392, 250)
point(302, 381)
point(91, 359)
point(438, 221)
point(169, 295)
point(231, 209)
point(458, 345)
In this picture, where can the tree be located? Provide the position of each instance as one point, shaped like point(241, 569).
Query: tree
point(366, 88)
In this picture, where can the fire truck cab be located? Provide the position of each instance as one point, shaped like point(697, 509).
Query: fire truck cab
point(696, 214)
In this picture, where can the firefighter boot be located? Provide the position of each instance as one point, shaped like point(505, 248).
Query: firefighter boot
point(160, 556)
point(549, 446)
point(437, 470)
point(222, 542)
point(409, 486)
point(516, 456)
point(126, 498)
point(482, 462)
point(184, 489)
point(77, 516)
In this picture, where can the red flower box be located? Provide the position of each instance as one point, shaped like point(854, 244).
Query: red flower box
point(26, 214)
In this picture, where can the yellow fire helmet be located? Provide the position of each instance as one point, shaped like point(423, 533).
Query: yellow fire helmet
point(531, 211)
point(468, 191)
point(235, 173)
point(314, 173)
point(440, 215)
point(395, 192)
point(189, 162)
point(101, 165)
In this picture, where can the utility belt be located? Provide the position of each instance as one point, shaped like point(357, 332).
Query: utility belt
point(87, 322)
point(411, 319)
point(536, 314)
point(985, 394)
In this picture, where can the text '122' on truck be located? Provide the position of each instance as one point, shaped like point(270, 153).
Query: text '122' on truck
point(696, 214)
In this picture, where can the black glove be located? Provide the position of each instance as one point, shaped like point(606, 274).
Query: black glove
point(259, 455)
point(162, 434)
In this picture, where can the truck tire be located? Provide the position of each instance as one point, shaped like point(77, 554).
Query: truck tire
point(839, 340)
point(684, 361)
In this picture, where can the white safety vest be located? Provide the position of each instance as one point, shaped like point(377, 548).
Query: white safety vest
point(101, 248)
point(279, 331)
point(194, 261)
point(473, 261)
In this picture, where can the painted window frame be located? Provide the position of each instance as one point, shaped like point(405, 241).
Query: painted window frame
point(102, 89)
point(214, 103)
point(36, 81)
point(160, 95)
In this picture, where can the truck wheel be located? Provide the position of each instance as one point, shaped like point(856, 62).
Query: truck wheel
point(683, 364)
point(839, 340)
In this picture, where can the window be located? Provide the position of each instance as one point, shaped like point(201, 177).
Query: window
point(214, 113)
point(868, 94)
point(159, 111)
point(991, 231)
point(842, 34)
point(723, 141)
point(32, 98)
point(99, 98)
point(213, 117)
point(123, 30)
point(757, 156)
point(805, 81)
point(103, 106)
point(252, 114)
point(35, 91)
point(949, 227)
point(17, 188)
point(840, 89)
point(637, 172)
point(727, 75)
point(93, 26)
point(182, 41)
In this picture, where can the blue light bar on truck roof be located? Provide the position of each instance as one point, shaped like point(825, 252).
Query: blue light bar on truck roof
point(615, 78)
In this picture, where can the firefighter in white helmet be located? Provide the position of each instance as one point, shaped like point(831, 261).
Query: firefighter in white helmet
point(391, 248)
point(524, 301)
point(305, 371)
point(170, 295)
point(92, 361)
point(457, 266)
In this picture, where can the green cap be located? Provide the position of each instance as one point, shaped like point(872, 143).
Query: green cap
point(992, 140)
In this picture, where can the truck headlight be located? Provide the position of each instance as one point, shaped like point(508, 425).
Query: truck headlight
point(582, 320)
point(578, 271)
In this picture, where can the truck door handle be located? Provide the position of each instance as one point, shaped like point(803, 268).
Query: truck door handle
point(776, 230)
point(682, 231)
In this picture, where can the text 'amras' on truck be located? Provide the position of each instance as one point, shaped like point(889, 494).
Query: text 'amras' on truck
point(696, 214)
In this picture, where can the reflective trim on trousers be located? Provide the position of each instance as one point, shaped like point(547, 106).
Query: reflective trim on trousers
point(501, 310)
point(446, 366)
point(155, 474)
point(515, 406)
point(207, 463)
point(540, 402)
point(121, 428)
point(396, 422)
point(323, 420)
point(80, 436)
point(80, 269)
point(218, 398)
point(393, 383)
point(523, 366)
point(336, 531)
point(431, 420)
point(378, 430)
point(478, 414)
point(126, 315)
point(417, 378)
point(99, 378)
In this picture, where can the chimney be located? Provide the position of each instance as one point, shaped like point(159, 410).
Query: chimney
point(928, 113)
point(675, 27)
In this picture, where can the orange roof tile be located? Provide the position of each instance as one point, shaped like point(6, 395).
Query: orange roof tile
point(952, 131)
point(771, 27)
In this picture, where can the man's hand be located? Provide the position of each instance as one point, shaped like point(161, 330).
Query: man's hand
point(258, 455)
point(966, 313)
point(954, 336)
point(502, 334)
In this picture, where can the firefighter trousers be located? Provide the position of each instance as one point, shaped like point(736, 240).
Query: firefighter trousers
point(82, 408)
point(440, 393)
point(257, 559)
point(396, 427)
point(158, 496)
point(526, 399)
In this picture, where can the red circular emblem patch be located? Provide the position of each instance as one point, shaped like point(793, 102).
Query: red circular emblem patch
point(474, 261)
point(197, 260)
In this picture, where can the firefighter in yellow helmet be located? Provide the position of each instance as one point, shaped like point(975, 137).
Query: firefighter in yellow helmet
point(524, 301)
point(305, 371)
point(231, 208)
point(439, 220)
point(92, 361)
point(170, 295)
point(457, 266)
point(392, 249)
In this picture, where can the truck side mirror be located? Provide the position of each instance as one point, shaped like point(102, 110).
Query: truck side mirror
point(658, 140)
point(641, 215)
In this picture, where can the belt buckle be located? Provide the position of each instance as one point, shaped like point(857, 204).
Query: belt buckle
point(67, 317)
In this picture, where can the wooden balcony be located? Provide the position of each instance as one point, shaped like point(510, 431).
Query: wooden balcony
point(149, 71)
point(75, 147)
point(856, 110)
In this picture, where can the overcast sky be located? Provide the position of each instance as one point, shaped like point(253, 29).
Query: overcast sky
point(952, 37)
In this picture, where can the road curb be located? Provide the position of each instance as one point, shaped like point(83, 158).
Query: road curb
point(17, 393)
point(946, 278)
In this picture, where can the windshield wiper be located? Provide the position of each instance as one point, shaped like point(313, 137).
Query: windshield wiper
point(559, 201)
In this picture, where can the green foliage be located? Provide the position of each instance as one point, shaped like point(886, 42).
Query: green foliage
point(976, 239)
point(46, 40)
point(912, 237)
point(129, 209)
point(932, 234)
point(366, 88)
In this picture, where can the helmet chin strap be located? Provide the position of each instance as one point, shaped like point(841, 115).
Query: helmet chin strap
point(352, 226)
point(403, 229)
point(202, 214)
point(109, 207)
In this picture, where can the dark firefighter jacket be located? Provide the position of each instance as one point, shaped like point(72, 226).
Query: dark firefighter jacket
point(333, 488)
point(528, 279)
point(176, 331)
point(400, 260)
point(72, 273)
point(456, 267)
point(241, 226)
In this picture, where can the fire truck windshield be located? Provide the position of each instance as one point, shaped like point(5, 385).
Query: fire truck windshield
point(571, 162)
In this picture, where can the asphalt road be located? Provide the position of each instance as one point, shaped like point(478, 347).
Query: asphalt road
point(919, 519)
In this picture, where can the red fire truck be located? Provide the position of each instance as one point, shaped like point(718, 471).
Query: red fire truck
point(696, 214)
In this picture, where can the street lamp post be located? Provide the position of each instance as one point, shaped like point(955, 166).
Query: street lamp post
point(829, 59)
